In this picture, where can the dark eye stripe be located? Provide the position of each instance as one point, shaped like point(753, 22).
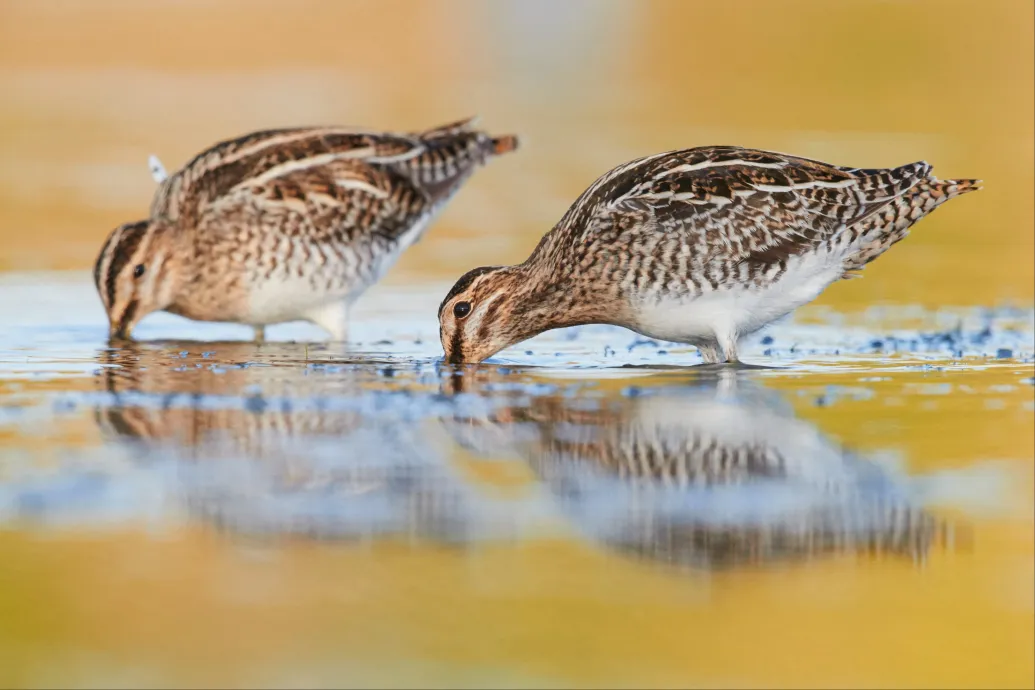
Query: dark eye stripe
point(463, 283)
point(127, 246)
point(493, 309)
point(101, 257)
point(128, 315)
point(488, 318)
point(457, 346)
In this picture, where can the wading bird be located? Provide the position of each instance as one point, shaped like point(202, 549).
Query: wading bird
point(700, 246)
point(284, 224)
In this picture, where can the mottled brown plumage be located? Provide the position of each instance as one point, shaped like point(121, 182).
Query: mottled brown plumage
point(701, 246)
point(285, 224)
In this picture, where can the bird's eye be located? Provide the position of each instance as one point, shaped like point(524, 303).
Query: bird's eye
point(138, 271)
point(461, 309)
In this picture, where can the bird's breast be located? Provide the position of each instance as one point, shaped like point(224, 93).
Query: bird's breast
point(702, 313)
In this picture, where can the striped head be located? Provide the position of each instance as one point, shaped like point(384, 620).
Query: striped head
point(487, 310)
point(134, 275)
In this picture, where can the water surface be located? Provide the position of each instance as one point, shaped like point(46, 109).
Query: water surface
point(590, 508)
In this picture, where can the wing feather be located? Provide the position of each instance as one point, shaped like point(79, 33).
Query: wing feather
point(739, 204)
point(251, 161)
point(325, 182)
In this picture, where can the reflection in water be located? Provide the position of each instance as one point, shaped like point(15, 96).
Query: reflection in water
point(283, 449)
point(716, 474)
point(159, 394)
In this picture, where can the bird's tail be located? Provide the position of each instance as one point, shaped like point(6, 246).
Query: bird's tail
point(879, 231)
point(451, 153)
point(505, 144)
point(468, 126)
point(955, 188)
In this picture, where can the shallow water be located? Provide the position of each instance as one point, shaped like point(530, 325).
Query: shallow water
point(590, 508)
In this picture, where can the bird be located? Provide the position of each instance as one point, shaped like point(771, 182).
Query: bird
point(284, 224)
point(700, 246)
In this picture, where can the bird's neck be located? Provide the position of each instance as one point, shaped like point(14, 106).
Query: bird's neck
point(552, 297)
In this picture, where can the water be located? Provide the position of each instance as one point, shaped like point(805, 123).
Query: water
point(590, 508)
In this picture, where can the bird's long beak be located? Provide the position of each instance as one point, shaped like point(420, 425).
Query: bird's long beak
point(122, 327)
point(450, 350)
point(119, 331)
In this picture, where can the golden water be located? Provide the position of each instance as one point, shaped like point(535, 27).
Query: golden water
point(113, 572)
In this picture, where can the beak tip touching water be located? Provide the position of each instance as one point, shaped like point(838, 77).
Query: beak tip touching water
point(119, 332)
point(451, 354)
point(457, 358)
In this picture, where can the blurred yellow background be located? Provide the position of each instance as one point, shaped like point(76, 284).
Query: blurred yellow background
point(91, 88)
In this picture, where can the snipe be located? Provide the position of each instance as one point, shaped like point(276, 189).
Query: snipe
point(285, 224)
point(700, 246)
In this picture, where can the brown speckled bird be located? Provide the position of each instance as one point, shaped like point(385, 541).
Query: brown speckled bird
point(700, 246)
point(285, 224)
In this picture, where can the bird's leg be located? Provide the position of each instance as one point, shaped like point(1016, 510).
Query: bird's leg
point(333, 318)
point(260, 334)
point(728, 343)
point(709, 353)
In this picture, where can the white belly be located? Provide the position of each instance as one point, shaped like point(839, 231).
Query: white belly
point(736, 310)
point(277, 301)
point(290, 297)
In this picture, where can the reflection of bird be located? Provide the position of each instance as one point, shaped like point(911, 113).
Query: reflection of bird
point(285, 224)
point(281, 451)
point(700, 246)
point(713, 476)
point(161, 397)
